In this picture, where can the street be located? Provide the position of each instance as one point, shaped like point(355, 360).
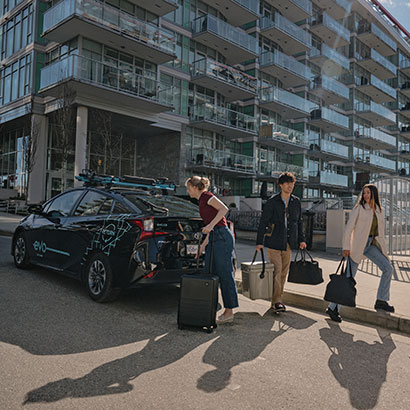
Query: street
point(61, 350)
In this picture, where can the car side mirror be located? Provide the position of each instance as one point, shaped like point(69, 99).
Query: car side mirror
point(36, 209)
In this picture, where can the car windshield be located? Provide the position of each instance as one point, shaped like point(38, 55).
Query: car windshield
point(163, 204)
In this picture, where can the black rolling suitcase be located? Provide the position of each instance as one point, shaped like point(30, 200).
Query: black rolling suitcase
point(198, 300)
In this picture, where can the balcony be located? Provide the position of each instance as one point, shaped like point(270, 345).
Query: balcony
point(233, 43)
point(375, 113)
point(376, 89)
point(377, 64)
point(285, 138)
point(405, 130)
point(93, 79)
point(405, 109)
point(375, 38)
point(329, 120)
point(405, 89)
point(230, 82)
point(330, 31)
point(273, 170)
point(328, 150)
point(290, 71)
point(405, 65)
point(374, 162)
point(285, 33)
point(328, 178)
point(97, 21)
point(375, 138)
point(338, 9)
point(329, 90)
point(237, 12)
point(224, 121)
point(216, 161)
point(158, 7)
point(288, 105)
point(404, 151)
point(329, 60)
point(293, 10)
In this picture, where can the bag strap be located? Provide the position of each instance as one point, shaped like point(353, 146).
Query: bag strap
point(340, 264)
point(262, 274)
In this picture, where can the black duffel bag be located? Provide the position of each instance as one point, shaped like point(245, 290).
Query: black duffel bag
point(341, 289)
point(305, 271)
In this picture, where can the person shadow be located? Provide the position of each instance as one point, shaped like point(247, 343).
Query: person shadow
point(244, 342)
point(358, 366)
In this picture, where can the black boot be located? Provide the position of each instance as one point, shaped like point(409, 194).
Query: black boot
point(334, 315)
point(382, 304)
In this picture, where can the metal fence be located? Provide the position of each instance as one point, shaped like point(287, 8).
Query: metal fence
point(395, 199)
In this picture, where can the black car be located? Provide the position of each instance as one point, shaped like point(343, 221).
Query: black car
point(113, 233)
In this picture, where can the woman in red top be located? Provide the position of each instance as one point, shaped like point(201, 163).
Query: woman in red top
point(213, 211)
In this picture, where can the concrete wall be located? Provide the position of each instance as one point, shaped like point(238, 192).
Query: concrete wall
point(251, 204)
point(336, 220)
point(7, 193)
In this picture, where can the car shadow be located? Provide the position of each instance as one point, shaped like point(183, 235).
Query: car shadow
point(243, 342)
point(358, 366)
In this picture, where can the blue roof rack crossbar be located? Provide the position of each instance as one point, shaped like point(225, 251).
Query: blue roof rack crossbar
point(91, 178)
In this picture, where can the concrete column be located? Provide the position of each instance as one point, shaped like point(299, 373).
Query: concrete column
point(80, 142)
point(37, 181)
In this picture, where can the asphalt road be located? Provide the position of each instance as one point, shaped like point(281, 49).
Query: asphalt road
point(60, 350)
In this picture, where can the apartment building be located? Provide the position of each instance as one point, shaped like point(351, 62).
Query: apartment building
point(237, 90)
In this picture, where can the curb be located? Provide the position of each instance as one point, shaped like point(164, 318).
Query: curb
point(399, 323)
point(5, 233)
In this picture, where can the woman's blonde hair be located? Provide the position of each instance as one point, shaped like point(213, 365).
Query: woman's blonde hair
point(198, 182)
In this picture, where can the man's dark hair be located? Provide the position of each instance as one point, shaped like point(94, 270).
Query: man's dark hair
point(286, 177)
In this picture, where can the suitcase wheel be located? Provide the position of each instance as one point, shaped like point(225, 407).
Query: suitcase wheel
point(209, 330)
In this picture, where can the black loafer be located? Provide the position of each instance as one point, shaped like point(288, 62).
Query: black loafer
point(382, 304)
point(334, 315)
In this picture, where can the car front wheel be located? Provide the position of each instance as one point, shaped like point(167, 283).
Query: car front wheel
point(20, 252)
point(99, 279)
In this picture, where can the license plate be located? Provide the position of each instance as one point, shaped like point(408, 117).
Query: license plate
point(192, 249)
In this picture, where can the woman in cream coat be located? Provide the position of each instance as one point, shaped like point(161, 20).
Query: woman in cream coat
point(364, 238)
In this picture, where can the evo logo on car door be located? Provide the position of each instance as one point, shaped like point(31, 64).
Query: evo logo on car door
point(41, 248)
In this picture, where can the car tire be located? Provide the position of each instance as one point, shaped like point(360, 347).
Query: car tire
point(20, 251)
point(99, 279)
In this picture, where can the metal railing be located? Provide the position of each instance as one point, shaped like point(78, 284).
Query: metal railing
point(376, 109)
point(334, 148)
point(376, 82)
point(280, 132)
point(375, 56)
point(112, 18)
point(330, 54)
point(375, 134)
point(373, 29)
point(332, 85)
point(332, 24)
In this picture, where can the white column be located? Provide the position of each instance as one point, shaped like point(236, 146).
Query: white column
point(80, 142)
point(37, 180)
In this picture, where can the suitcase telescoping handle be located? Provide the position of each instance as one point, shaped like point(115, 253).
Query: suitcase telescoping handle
point(262, 274)
point(199, 235)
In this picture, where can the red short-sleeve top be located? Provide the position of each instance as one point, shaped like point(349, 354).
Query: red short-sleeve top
point(207, 211)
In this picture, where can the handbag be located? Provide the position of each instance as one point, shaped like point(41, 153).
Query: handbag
point(305, 271)
point(341, 289)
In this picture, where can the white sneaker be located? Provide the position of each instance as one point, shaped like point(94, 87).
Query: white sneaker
point(224, 319)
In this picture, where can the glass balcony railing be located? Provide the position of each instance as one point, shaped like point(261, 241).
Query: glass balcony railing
point(330, 178)
point(283, 24)
point(377, 109)
point(404, 62)
point(280, 132)
point(95, 72)
point(332, 24)
point(331, 85)
point(219, 71)
point(304, 5)
point(376, 135)
point(222, 159)
point(381, 85)
point(223, 116)
point(331, 54)
point(112, 18)
point(372, 28)
point(373, 159)
point(252, 5)
point(286, 62)
point(276, 168)
point(226, 31)
point(334, 148)
point(332, 116)
point(345, 4)
point(378, 58)
point(279, 95)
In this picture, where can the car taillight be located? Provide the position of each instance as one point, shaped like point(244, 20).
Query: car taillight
point(151, 274)
point(147, 228)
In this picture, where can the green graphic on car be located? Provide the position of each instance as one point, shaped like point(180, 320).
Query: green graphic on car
point(41, 248)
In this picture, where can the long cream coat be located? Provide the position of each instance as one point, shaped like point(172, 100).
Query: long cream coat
point(357, 231)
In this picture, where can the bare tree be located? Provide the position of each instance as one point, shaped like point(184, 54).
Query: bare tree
point(31, 135)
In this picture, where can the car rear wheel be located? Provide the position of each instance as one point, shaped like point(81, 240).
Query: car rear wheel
point(99, 279)
point(20, 252)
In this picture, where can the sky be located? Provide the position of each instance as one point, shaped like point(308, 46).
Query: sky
point(400, 9)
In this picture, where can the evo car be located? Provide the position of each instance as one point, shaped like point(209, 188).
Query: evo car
point(113, 233)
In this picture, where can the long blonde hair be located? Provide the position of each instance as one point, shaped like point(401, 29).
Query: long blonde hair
point(198, 182)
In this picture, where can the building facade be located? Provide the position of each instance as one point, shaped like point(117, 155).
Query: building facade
point(237, 90)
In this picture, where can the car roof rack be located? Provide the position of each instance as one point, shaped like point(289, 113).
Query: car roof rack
point(91, 178)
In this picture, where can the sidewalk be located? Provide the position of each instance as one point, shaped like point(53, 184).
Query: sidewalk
point(8, 223)
point(367, 278)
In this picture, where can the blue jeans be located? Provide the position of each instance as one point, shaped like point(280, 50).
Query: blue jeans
point(221, 239)
point(375, 255)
